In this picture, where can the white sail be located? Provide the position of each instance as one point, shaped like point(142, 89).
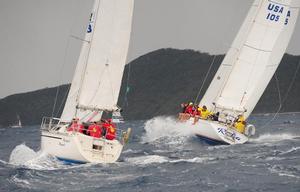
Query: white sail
point(215, 88)
point(97, 80)
point(255, 55)
point(71, 103)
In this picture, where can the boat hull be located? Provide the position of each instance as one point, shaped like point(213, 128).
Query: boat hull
point(80, 148)
point(215, 133)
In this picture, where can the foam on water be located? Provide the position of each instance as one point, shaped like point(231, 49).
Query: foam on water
point(290, 151)
point(145, 160)
point(24, 156)
point(283, 173)
point(160, 127)
point(270, 138)
point(20, 182)
point(152, 159)
point(3, 162)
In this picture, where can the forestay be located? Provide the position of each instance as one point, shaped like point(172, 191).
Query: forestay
point(97, 79)
point(254, 56)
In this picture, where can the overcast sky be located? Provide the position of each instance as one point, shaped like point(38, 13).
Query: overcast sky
point(37, 52)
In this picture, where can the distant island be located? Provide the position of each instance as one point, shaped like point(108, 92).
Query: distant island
point(155, 84)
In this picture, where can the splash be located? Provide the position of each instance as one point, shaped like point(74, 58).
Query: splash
point(24, 156)
point(270, 138)
point(21, 154)
point(160, 127)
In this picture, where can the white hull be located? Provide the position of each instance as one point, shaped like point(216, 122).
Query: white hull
point(15, 126)
point(217, 133)
point(77, 147)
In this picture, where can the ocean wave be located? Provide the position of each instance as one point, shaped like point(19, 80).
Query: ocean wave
point(270, 138)
point(20, 182)
point(157, 159)
point(290, 151)
point(144, 160)
point(23, 156)
point(3, 162)
point(284, 173)
point(164, 127)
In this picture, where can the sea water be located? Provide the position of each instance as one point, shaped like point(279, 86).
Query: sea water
point(162, 155)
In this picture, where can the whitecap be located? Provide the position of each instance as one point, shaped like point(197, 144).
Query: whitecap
point(152, 159)
point(193, 160)
point(290, 151)
point(283, 173)
point(24, 156)
point(269, 138)
point(145, 160)
point(163, 127)
point(3, 162)
point(20, 182)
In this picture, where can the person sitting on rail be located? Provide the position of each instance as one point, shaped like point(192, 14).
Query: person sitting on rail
point(198, 111)
point(189, 109)
point(240, 126)
point(240, 118)
point(75, 126)
point(110, 130)
point(183, 106)
point(94, 130)
point(205, 113)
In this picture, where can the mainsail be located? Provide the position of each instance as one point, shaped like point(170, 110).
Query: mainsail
point(98, 75)
point(253, 57)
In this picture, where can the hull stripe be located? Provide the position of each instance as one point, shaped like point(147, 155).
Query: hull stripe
point(211, 141)
point(70, 161)
point(51, 137)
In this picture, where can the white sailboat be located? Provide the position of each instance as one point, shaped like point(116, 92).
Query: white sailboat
point(18, 125)
point(247, 69)
point(95, 87)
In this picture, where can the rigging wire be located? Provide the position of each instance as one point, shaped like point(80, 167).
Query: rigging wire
point(60, 77)
point(205, 78)
point(63, 100)
point(127, 88)
point(282, 101)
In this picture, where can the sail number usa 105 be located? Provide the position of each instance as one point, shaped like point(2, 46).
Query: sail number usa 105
point(275, 12)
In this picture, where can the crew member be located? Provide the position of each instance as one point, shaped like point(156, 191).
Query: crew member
point(75, 126)
point(189, 109)
point(240, 118)
point(204, 112)
point(198, 109)
point(94, 130)
point(240, 126)
point(110, 130)
point(183, 106)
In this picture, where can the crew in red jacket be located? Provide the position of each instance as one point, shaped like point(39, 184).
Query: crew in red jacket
point(75, 126)
point(110, 129)
point(94, 130)
point(190, 109)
